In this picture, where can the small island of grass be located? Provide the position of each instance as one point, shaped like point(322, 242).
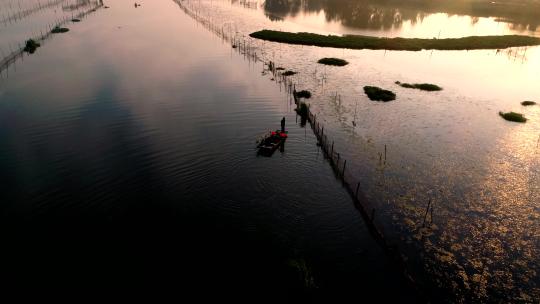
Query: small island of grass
point(513, 116)
point(288, 73)
point(302, 109)
point(528, 103)
point(378, 94)
point(31, 46)
point(303, 94)
point(333, 61)
point(420, 86)
point(58, 30)
point(398, 44)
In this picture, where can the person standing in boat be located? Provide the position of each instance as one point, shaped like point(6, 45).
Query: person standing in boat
point(283, 124)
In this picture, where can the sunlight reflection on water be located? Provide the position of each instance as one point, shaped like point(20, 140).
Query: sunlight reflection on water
point(450, 147)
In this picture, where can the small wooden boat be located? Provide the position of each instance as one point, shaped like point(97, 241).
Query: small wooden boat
point(273, 140)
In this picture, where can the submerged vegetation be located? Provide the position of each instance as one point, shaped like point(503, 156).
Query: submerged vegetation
point(528, 103)
point(420, 86)
point(403, 44)
point(31, 46)
point(303, 94)
point(58, 30)
point(378, 94)
point(513, 116)
point(333, 61)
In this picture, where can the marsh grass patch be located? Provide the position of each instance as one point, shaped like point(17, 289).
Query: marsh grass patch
point(31, 46)
point(59, 30)
point(303, 94)
point(420, 86)
point(513, 116)
point(378, 94)
point(333, 61)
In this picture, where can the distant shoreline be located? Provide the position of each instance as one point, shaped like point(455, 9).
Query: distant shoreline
point(398, 44)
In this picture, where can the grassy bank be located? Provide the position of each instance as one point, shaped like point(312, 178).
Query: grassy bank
point(401, 44)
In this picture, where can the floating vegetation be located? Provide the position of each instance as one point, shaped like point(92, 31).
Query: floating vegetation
point(288, 73)
point(302, 109)
point(31, 46)
point(378, 94)
point(420, 86)
point(58, 30)
point(304, 272)
point(403, 44)
point(303, 94)
point(333, 61)
point(513, 116)
point(75, 20)
point(528, 103)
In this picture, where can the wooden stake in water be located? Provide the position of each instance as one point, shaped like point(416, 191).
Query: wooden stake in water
point(425, 215)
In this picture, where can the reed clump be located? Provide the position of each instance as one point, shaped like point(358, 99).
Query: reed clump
point(303, 94)
point(378, 94)
point(513, 116)
point(420, 86)
point(333, 61)
point(31, 46)
point(528, 103)
point(288, 73)
point(302, 109)
point(59, 30)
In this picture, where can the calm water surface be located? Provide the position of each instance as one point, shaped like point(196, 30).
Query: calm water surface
point(481, 172)
point(127, 158)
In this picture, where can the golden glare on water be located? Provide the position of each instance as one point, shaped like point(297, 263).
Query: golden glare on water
point(481, 173)
point(448, 150)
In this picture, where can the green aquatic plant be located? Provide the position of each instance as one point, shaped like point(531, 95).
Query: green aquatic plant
point(304, 272)
point(333, 61)
point(403, 44)
point(302, 109)
point(303, 94)
point(378, 94)
point(31, 46)
point(513, 116)
point(528, 103)
point(288, 73)
point(420, 86)
point(58, 30)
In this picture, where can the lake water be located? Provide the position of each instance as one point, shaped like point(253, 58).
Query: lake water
point(481, 173)
point(127, 158)
point(138, 126)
